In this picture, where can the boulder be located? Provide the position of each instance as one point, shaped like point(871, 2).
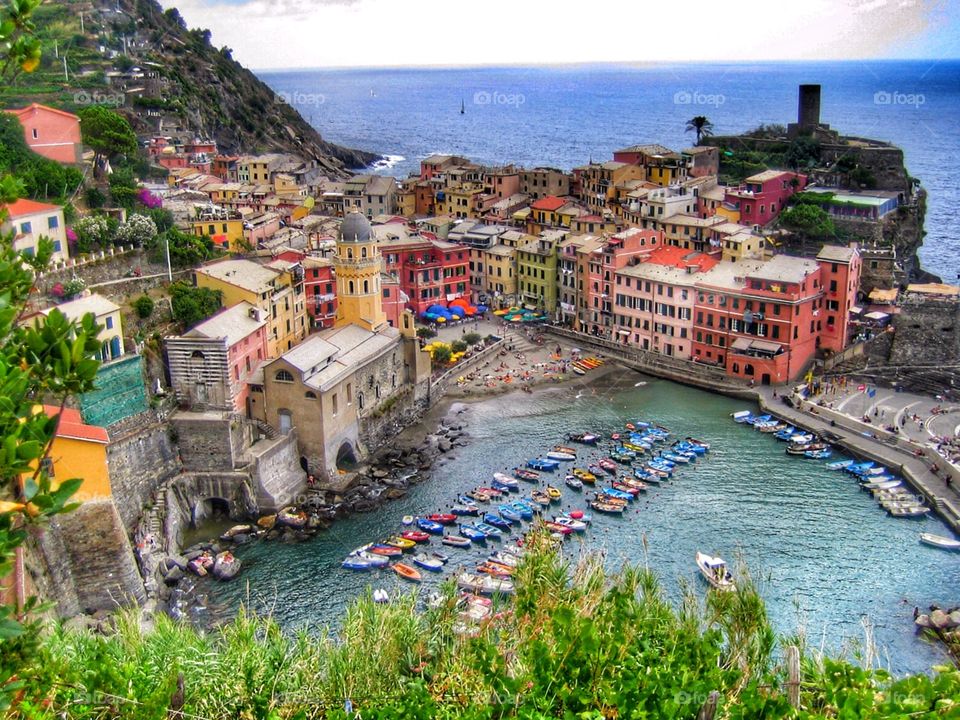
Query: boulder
point(444, 445)
point(240, 539)
point(226, 566)
point(174, 576)
point(380, 473)
point(267, 522)
point(939, 620)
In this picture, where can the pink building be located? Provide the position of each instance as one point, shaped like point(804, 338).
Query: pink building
point(654, 301)
point(761, 198)
point(210, 364)
point(840, 274)
point(53, 133)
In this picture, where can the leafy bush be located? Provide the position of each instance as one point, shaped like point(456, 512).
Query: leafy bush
point(192, 305)
point(441, 355)
point(93, 233)
point(95, 198)
point(143, 306)
point(73, 287)
point(459, 346)
point(472, 338)
point(426, 333)
point(137, 230)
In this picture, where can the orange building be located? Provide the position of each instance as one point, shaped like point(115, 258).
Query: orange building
point(53, 133)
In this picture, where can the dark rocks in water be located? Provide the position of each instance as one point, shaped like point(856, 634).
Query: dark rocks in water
point(240, 539)
point(226, 566)
point(395, 493)
point(380, 473)
point(444, 445)
point(173, 576)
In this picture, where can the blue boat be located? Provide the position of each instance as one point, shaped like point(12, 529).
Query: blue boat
point(659, 468)
point(743, 416)
point(489, 530)
point(430, 526)
point(508, 513)
point(839, 465)
point(465, 510)
point(472, 533)
point(786, 433)
point(527, 505)
point(860, 468)
point(434, 564)
point(497, 521)
point(613, 492)
point(684, 447)
point(521, 510)
point(675, 458)
point(661, 460)
point(356, 563)
point(647, 477)
point(543, 464)
point(760, 419)
point(497, 485)
point(818, 454)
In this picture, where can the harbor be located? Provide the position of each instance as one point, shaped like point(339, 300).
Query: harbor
point(776, 516)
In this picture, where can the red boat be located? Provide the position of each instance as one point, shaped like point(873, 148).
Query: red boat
point(490, 491)
point(609, 465)
point(557, 528)
point(415, 535)
point(623, 487)
point(442, 518)
point(387, 550)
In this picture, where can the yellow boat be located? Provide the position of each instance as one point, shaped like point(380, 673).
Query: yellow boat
point(399, 542)
point(639, 449)
point(554, 493)
point(585, 475)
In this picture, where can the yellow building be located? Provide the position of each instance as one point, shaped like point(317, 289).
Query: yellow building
point(226, 233)
point(358, 265)
point(460, 201)
point(276, 288)
point(79, 451)
point(108, 318)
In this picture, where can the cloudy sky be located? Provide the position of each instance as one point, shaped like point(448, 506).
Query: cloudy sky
point(274, 34)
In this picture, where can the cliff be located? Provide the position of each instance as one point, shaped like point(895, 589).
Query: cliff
point(166, 79)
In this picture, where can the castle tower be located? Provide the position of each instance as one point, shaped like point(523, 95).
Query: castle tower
point(358, 265)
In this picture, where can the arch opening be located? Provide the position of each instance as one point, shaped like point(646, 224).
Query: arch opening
point(346, 457)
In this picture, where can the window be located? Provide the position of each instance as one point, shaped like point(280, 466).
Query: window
point(36, 136)
point(53, 222)
point(310, 395)
point(283, 376)
point(360, 400)
point(26, 228)
point(333, 401)
point(349, 393)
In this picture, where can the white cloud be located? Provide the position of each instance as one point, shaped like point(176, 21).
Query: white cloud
point(327, 33)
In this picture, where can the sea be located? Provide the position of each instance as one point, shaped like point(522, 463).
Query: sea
point(565, 116)
point(830, 563)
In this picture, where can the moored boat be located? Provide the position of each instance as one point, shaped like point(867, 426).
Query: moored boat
point(572, 481)
point(455, 541)
point(743, 416)
point(557, 527)
point(485, 585)
point(417, 536)
point(472, 533)
point(585, 476)
point(584, 438)
point(386, 550)
point(939, 541)
point(607, 507)
point(554, 493)
point(407, 520)
point(430, 526)
point(561, 456)
point(460, 510)
point(433, 564)
point(543, 464)
point(508, 513)
point(406, 572)
point(565, 449)
point(575, 525)
point(497, 521)
point(400, 542)
point(443, 518)
point(526, 474)
point(511, 483)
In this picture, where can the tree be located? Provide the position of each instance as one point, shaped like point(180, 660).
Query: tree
point(93, 232)
point(107, 133)
point(701, 126)
point(459, 345)
point(426, 333)
point(138, 230)
point(472, 338)
point(143, 306)
point(192, 305)
point(807, 219)
point(441, 355)
point(803, 153)
point(52, 359)
point(20, 46)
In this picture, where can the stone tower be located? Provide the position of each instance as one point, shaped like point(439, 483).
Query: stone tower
point(358, 264)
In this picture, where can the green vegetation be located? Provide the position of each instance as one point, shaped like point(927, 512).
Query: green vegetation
point(459, 345)
point(143, 306)
point(808, 220)
point(700, 125)
point(472, 338)
point(574, 643)
point(107, 133)
point(137, 230)
point(426, 333)
point(185, 250)
point(192, 305)
point(441, 355)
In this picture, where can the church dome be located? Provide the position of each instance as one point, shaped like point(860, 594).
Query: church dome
point(355, 228)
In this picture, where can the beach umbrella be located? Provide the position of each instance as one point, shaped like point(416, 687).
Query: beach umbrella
point(483, 309)
point(441, 319)
point(500, 313)
point(516, 318)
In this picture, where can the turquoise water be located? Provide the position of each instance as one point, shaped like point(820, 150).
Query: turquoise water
point(827, 557)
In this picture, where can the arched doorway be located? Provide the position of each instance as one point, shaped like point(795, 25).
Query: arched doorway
point(346, 457)
point(304, 465)
point(210, 509)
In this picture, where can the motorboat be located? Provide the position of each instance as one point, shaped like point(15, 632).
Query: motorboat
point(485, 585)
point(417, 536)
point(508, 513)
point(543, 464)
point(743, 416)
point(584, 438)
point(434, 528)
point(607, 507)
point(461, 510)
point(443, 518)
point(575, 525)
point(939, 541)
point(497, 521)
point(839, 465)
point(455, 541)
point(715, 572)
point(572, 481)
point(526, 474)
point(519, 509)
point(433, 564)
point(472, 533)
point(489, 530)
point(511, 483)
point(584, 476)
point(560, 456)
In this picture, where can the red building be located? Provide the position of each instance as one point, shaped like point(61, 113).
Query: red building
point(53, 133)
point(760, 321)
point(840, 271)
point(320, 290)
point(394, 299)
point(761, 198)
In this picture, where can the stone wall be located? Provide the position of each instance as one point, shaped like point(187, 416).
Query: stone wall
point(186, 494)
point(102, 567)
point(927, 331)
point(48, 570)
point(97, 270)
point(277, 475)
point(139, 462)
point(441, 383)
point(211, 441)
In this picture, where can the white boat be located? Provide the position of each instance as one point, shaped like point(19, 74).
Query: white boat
point(742, 416)
point(563, 456)
point(939, 541)
point(574, 482)
point(484, 584)
point(884, 485)
point(715, 572)
point(575, 525)
point(908, 511)
point(381, 596)
point(407, 520)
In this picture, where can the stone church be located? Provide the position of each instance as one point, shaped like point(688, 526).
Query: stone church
point(346, 389)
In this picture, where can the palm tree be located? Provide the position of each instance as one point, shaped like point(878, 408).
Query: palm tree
point(700, 125)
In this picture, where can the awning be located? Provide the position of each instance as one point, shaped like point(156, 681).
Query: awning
point(623, 332)
point(856, 310)
point(877, 315)
point(765, 346)
point(740, 344)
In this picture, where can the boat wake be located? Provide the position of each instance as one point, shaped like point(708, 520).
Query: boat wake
point(387, 162)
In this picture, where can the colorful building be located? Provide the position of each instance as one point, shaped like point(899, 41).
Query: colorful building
point(211, 364)
point(29, 221)
point(276, 288)
point(762, 196)
point(52, 133)
point(78, 451)
point(358, 266)
point(107, 315)
point(542, 182)
point(320, 289)
point(840, 269)
point(537, 271)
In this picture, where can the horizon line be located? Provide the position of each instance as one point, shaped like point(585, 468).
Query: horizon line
point(609, 63)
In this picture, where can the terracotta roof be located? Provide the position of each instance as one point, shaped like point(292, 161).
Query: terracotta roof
point(37, 106)
point(681, 258)
point(22, 207)
point(550, 202)
point(71, 425)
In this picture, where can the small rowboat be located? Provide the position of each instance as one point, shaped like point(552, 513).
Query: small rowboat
point(509, 482)
point(633, 447)
point(607, 464)
point(442, 518)
point(417, 536)
point(400, 542)
point(525, 474)
point(492, 492)
point(574, 482)
point(387, 550)
point(357, 563)
point(484, 585)
point(455, 541)
point(540, 497)
point(585, 475)
point(575, 525)
point(407, 572)
point(607, 507)
point(497, 521)
point(503, 557)
point(489, 530)
point(472, 533)
point(442, 557)
point(478, 495)
point(543, 464)
point(407, 520)
point(520, 509)
point(565, 449)
point(430, 526)
point(428, 563)
point(625, 487)
point(375, 560)
point(508, 513)
point(578, 370)
point(459, 510)
point(495, 569)
point(610, 492)
point(561, 456)
point(939, 541)
point(557, 527)
point(554, 493)
point(584, 438)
